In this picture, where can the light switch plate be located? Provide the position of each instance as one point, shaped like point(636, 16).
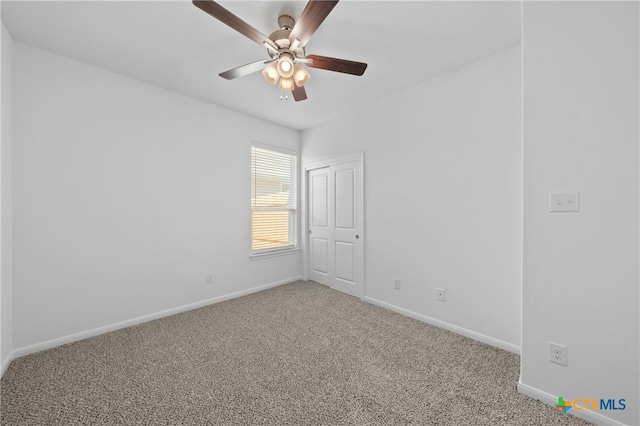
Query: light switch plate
point(564, 201)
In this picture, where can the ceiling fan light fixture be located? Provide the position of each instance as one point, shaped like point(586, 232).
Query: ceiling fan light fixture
point(285, 47)
point(286, 84)
point(300, 75)
point(285, 66)
point(270, 73)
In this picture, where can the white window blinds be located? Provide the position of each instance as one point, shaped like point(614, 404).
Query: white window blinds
point(273, 199)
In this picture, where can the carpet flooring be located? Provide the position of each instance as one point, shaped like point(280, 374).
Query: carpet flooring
point(298, 354)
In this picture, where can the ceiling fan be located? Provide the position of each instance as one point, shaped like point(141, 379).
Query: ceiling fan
point(285, 47)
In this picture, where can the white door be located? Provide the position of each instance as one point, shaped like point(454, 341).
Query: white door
point(335, 227)
point(318, 223)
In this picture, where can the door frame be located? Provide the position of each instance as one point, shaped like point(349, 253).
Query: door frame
point(359, 157)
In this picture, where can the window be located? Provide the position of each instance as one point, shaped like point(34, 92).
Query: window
point(273, 199)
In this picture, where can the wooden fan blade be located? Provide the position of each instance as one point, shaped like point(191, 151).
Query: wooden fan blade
point(228, 18)
point(243, 70)
point(312, 16)
point(299, 94)
point(338, 65)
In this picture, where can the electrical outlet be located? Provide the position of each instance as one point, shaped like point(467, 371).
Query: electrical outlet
point(396, 283)
point(442, 294)
point(558, 353)
point(210, 278)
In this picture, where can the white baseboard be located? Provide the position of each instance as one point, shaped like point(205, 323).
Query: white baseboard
point(27, 350)
point(547, 398)
point(6, 362)
point(459, 330)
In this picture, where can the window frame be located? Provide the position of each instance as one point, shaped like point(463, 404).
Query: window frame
point(294, 211)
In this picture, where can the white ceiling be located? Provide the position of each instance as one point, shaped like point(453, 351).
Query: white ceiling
point(177, 46)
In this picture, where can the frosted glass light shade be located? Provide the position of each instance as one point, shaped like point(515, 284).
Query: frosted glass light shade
point(270, 73)
point(300, 75)
point(285, 66)
point(286, 84)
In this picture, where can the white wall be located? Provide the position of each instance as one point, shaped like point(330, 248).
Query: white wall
point(6, 264)
point(126, 195)
point(442, 196)
point(580, 282)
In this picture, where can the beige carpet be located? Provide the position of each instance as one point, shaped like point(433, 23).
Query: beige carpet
point(299, 354)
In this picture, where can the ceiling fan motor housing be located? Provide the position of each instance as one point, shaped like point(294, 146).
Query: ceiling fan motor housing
point(281, 38)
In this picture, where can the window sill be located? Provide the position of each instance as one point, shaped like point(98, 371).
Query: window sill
point(275, 253)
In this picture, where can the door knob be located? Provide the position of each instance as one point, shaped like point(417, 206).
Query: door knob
point(357, 237)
